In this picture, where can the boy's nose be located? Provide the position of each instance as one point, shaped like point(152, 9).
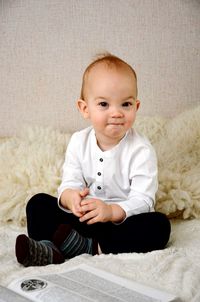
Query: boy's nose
point(116, 112)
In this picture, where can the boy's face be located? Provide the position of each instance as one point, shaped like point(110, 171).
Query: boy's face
point(110, 103)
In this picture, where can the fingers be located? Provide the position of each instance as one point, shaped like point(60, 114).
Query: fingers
point(89, 209)
point(94, 211)
point(88, 205)
point(84, 192)
point(76, 205)
point(76, 210)
point(89, 217)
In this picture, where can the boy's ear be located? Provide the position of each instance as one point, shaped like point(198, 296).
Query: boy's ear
point(137, 104)
point(83, 108)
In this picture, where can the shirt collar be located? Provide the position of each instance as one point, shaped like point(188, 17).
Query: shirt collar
point(111, 152)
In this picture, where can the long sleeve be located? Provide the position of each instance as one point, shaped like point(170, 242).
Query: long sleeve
point(143, 182)
point(72, 170)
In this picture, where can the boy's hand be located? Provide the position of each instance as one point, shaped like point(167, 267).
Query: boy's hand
point(71, 200)
point(95, 210)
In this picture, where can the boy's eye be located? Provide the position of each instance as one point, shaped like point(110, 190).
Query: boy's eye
point(103, 104)
point(127, 104)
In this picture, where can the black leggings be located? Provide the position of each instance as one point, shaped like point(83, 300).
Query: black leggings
point(139, 233)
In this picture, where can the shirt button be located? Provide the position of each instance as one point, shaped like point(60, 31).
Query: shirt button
point(99, 173)
point(101, 159)
point(99, 188)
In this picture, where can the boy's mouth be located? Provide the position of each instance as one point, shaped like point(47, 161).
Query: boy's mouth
point(116, 122)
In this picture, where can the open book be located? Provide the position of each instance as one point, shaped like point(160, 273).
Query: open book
point(81, 284)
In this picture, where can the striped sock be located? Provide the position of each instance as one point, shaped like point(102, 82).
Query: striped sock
point(71, 243)
point(30, 252)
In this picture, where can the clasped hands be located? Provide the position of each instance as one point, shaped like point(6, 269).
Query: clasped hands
point(90, 210)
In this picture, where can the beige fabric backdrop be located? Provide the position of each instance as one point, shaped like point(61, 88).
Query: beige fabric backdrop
point(46, 44)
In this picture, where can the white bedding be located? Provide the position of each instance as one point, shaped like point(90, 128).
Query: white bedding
point(175, 269)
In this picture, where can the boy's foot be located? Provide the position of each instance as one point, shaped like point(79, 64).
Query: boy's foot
point(72, 244)
point(30, 252)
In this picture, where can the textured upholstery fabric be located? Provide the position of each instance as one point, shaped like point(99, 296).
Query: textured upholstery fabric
point(46, 45)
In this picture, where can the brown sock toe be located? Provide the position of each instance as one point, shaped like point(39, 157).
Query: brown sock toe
point(22, 248)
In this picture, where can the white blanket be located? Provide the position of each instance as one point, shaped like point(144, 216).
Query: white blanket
point(175, 269)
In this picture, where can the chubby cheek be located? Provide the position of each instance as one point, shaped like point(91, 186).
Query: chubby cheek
point(98, 120)
point(130, 120)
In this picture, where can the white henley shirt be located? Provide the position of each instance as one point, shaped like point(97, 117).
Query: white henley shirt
point(125, 175)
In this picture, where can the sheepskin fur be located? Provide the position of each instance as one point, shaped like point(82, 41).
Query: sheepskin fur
point(32, 162)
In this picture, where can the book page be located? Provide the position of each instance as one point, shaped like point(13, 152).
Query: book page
point(7, 295)
point(84, 283)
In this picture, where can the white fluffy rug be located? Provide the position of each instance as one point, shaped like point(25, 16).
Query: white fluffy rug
point(175, 269)
point(32, 162)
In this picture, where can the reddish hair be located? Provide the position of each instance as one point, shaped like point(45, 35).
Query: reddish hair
point(111, 61)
